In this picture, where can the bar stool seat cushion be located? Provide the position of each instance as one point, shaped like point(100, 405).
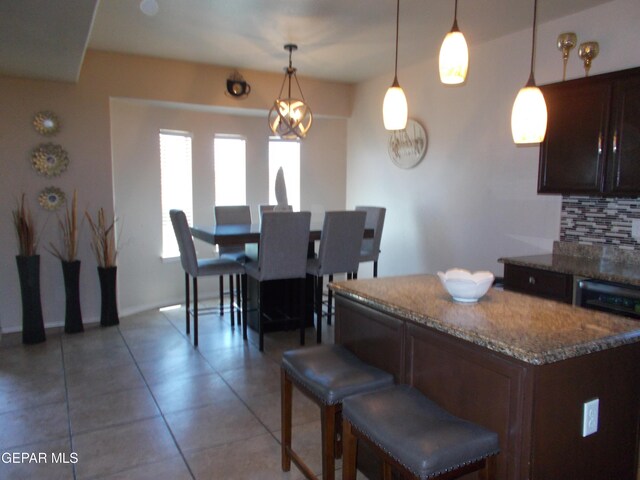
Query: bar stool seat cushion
point(331, 372)
point(416, 432)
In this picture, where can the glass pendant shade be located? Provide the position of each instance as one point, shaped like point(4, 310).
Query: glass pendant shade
point(529, 116)
point(454, 58)
point(394, 108)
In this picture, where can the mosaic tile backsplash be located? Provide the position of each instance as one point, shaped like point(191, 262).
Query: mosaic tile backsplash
point(599, 221)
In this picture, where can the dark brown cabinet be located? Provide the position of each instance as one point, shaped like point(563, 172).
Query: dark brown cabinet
point(592, 145)
point(538, 282)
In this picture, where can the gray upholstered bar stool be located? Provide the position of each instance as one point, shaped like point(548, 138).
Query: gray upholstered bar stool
point(326, 374)
point(416, 436)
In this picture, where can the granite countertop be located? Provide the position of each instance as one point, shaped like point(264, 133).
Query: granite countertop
point(585, 261)
point(524, 327)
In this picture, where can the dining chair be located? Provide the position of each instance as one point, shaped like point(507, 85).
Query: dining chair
point(195, 267)
point(282, 254)
point(272, 208)
point(339, 252)
point(231, 215)
point(370, 250)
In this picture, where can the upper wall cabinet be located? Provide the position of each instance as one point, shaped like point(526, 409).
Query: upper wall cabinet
point(592, 145)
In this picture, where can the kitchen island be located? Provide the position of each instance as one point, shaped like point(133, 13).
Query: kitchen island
point(519, 365)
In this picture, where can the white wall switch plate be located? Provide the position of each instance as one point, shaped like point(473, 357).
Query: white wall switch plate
point(590, 417)
point(635, 228)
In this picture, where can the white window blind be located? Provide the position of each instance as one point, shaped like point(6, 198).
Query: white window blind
point(175, 184)
point(230, 170)
point(285, 154)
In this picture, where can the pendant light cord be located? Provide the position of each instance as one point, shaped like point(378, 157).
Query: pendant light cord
point(455, 12)
point(533, 40)
point(397, 29)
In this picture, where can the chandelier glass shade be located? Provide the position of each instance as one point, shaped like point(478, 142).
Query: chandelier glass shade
point(290, 118)
point(394, 107)
point(529, 113)
point(454, 55)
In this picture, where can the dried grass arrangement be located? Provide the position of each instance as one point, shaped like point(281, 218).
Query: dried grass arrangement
point(103, 240)
point(68, 252)
point(25, 229)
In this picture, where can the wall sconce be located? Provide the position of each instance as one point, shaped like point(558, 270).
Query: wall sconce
point(237, 87)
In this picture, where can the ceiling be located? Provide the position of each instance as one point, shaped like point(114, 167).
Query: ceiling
point(341, 40)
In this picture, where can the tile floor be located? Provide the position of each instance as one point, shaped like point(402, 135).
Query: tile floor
point(137, 401)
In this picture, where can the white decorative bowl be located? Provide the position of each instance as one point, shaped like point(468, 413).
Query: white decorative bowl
point(464, 286)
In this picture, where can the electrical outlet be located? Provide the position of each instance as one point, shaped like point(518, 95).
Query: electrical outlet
point(590, 417)
point(635, 228)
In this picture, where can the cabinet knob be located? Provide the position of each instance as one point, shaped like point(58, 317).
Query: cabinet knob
point(532, 280)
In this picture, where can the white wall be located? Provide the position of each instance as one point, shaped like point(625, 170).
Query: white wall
point(145, 281)
point(473, 198)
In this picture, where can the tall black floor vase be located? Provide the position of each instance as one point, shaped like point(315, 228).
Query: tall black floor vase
point(109, 307)
point(72, 313)
point(32, 322)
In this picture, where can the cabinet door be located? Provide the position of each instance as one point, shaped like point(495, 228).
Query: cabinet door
point(572, 156)
point(624, 164)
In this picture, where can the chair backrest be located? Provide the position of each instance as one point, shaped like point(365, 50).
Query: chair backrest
point(275, 208)
point(188, 256)
point(284, 243)
point(232, 215)
point(375, 220)
point(340, 242)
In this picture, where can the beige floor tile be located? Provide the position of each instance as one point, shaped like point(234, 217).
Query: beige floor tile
point(255, 458)
point(111, 409)
point(267, 409)
point(174, 346)
point(81, 360)
point(34, 424)
point(52, 461)
point(172, 469)
point(114, 449)
point(93, 338)
point(192, 392)
point(103, 380)
point(171, 368)
point(255, 380)
point(213, 425)
point(29, 390)
point(233, 358)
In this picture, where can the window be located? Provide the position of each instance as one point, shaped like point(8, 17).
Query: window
point(230, 170)
point(285, 154)
point(175, 184)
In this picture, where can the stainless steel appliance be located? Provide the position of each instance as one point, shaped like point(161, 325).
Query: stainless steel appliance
point(609, 297)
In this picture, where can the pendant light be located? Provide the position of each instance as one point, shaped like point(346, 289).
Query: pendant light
point(290, 118)
point(454, 54)
point(529, 114)
point(394, 107)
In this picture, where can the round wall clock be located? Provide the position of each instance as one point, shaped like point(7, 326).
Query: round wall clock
point(408, 147)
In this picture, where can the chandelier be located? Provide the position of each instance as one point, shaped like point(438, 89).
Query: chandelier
point(290, 118)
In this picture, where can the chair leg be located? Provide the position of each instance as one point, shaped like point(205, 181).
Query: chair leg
point(245, 317)
point(285, 419)
point(354, 275)
point(328, 427)
point(231, 309)
point(195, 311)
point(489, 470)
point(329, 301)
point(318, 304)
point(221, 294)
point(386, 471)
point(303, 308)
point(238, 291)
point(187, 301)
point(375, 269)
point(260, 321)
point(349, 449)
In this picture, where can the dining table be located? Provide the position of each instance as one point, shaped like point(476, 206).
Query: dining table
point(280, 303)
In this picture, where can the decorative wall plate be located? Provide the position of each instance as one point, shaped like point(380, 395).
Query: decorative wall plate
point(49, 159)
point(51, 198)
point(408, 147)
point(46, 123)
